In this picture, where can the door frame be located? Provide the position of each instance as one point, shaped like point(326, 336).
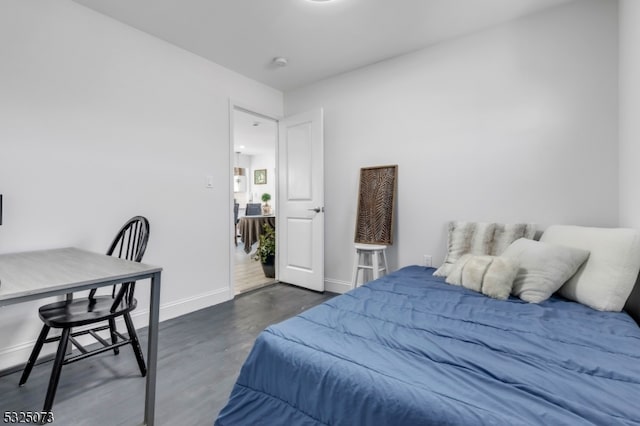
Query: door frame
point(239, 106)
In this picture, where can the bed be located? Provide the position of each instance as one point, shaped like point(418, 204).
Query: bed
point(410, 349)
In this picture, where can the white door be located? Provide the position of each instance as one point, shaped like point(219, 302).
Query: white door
point(300, 226)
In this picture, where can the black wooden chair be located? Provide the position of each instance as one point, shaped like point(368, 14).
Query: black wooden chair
point(130, 243)
point(253, 209)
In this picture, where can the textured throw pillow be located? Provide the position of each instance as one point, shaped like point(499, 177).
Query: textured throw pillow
point(505, 234)
point(480, 238)
point(543, 267)
point(493, 276)
point(499, 279)
point(463, 238)
point(474, 271)
point(455, 275)
point(607, 278)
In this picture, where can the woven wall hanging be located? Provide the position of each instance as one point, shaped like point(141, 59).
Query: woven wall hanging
point(376, 205)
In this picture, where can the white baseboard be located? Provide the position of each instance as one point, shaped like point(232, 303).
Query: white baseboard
point(337, 286)
point(17, 355)
point(180, 307)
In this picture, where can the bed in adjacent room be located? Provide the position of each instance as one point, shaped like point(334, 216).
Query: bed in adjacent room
point(411, 349)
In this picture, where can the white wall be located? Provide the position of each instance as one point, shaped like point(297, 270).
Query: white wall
point(629, 122)
point(629, 113)
point(99, 122)
point(516, 123)
point(267, 162)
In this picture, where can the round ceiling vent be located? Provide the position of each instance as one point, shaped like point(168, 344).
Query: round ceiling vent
point(280, 61)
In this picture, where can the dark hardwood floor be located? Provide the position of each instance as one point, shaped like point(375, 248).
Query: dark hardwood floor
point(199, 358)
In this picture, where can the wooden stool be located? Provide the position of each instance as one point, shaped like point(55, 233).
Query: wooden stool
point(364, 252)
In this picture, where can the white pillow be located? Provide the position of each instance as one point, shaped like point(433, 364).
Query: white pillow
point(543, 267)
point(606, 279)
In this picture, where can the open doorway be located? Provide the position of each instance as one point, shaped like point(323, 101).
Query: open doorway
point(254, 192)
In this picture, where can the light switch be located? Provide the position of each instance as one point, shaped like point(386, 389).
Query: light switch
point(209, 181)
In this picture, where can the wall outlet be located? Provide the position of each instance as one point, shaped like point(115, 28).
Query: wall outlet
point(426, 260)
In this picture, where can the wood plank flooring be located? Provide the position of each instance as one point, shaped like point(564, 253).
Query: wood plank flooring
point(199, 358)
point(248, 274)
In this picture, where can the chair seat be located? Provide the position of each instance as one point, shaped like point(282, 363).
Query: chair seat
point(363, 246)
point(80, 312)
point(369, 257)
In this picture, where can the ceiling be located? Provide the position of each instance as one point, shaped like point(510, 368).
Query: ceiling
point(253, 135)
point(319, 39)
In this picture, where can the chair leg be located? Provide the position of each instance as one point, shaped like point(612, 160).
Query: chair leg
point(386, 266)
point(354, 275)
point(135, 343)
point(57, 368)
point(114, 336)
point(375, 262)
point(34, 355)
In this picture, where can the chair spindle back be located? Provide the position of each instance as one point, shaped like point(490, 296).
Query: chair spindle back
point(130, 243)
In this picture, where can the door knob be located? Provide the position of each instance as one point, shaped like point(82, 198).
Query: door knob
point(317, 209)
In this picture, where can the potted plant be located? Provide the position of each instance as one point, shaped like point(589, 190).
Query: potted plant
point(266, 208)
point(266, 252)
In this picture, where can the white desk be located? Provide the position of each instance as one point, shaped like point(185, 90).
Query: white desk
point(39, 274)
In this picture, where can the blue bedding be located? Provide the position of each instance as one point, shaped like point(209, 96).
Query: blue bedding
point(408, 349)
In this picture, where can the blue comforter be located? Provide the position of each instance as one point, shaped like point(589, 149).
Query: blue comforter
point(409, 349)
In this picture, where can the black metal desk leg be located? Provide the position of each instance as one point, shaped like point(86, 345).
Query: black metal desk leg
point(152, 350)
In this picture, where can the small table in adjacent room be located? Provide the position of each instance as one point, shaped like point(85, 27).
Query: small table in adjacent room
point(39, 274)
point(251, 227)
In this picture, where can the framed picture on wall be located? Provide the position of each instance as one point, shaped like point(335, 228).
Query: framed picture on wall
point(260, 176)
